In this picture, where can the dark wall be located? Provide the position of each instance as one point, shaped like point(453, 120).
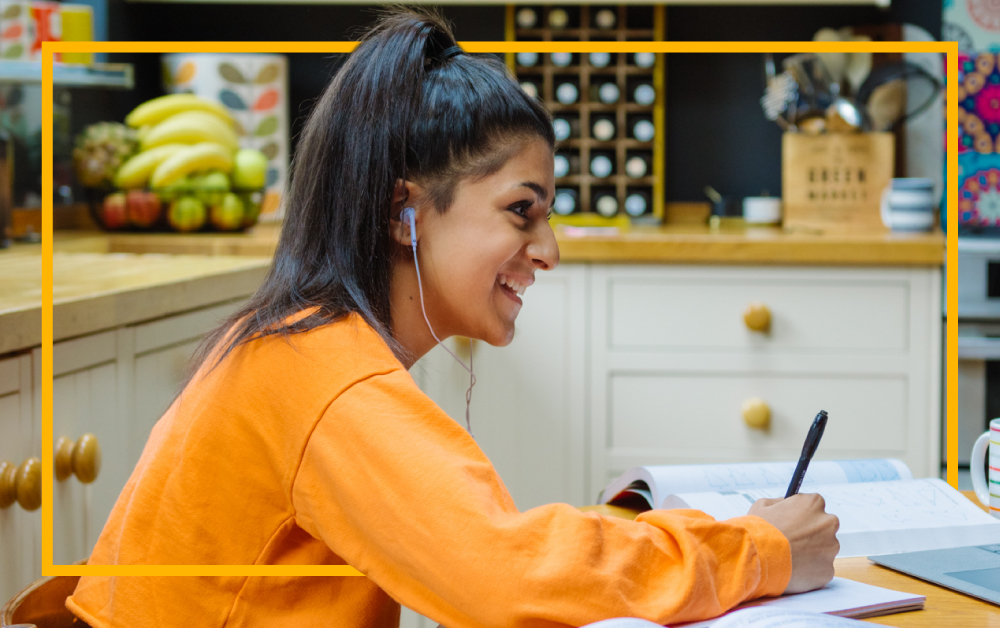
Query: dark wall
point(716, 132)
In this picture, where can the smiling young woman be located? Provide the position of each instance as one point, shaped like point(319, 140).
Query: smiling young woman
point(301, 439)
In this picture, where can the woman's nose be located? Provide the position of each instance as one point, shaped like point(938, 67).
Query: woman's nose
point(543, 249)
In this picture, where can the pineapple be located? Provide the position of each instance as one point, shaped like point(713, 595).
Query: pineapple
point(100, 150)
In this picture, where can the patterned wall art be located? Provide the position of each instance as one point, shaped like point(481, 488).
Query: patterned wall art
point(979, 190)
point(974, 24)
point(254, 88)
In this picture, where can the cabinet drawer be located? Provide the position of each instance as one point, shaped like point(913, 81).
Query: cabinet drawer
point(704, 311)
point(701, 415)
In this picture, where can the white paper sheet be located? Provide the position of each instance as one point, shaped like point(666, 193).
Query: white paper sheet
point(840, 597)
point(774, 618)
point(774, 475)
point(875, 517)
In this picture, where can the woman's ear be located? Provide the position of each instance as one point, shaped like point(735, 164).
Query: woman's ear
point(405, 195)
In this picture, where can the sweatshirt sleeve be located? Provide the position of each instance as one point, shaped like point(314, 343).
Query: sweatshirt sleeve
point(402, 493)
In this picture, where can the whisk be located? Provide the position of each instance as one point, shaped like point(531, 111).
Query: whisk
point(781, 93)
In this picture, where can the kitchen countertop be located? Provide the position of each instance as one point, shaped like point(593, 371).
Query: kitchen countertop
point(93, 291)
point(670, 244)
point(104, 280)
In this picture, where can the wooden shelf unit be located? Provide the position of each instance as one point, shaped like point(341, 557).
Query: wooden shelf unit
point(624, 74)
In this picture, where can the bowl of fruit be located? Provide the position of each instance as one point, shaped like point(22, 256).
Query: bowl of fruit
point(174, 165)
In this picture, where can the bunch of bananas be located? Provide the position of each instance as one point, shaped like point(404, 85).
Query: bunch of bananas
point(179, 134)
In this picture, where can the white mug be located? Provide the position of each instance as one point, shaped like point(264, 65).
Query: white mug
point(987, 487)
point(908, 205)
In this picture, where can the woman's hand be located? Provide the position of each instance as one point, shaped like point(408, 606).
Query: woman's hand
point(810, 531)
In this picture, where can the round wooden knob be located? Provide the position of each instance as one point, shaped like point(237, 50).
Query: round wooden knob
point(64, 458)
point(8, 484)
point(756, 414)
point(757, 317)
point(29, 484)
point(87, 458)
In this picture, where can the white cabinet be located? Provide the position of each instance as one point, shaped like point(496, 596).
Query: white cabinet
point(672, 362)
point(86, 399)
point(20, 530)
point(113, 384)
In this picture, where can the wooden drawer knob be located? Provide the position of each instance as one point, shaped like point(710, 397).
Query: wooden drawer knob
point(756, 413)
point(757, 317)
point(82, 458)
point(8, 483)
point(21, 484)
point(29, 484)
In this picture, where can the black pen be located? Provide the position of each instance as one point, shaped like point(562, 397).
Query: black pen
point(808, 449)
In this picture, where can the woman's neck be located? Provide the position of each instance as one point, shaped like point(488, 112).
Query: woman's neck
point(408, 325)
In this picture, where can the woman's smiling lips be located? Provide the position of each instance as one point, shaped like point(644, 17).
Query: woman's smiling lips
point(513, 286)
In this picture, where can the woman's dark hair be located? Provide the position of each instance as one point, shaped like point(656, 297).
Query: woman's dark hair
point(402, 107)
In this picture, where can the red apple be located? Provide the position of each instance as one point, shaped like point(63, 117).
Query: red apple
point(143, 207)
point(113, 214)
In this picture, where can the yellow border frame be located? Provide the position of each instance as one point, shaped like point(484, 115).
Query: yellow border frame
point(49, 48)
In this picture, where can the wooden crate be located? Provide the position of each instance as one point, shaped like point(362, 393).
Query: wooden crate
point(834, 182)
point(624, 74)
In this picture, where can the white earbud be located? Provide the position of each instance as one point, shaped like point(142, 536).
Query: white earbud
point(410, 215)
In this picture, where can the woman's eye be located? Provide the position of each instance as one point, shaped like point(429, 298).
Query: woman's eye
point(521, 209)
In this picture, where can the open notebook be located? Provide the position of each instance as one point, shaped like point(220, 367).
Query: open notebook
point(826, 607)
point(882, 509)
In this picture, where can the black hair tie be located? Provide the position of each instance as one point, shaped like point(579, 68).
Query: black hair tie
point(448, 53)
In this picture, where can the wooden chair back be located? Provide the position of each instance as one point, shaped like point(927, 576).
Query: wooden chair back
point(42, 603)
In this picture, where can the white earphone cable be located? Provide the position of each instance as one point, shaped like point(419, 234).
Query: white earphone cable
point(409, 212)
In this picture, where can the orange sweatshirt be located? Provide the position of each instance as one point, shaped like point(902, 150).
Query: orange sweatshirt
point(324, 451)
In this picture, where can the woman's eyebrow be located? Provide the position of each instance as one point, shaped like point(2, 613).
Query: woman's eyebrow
point(537, 189)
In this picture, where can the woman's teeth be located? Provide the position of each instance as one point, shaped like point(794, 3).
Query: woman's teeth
point(513, 285)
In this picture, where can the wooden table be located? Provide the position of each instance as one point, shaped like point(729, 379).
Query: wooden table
point(943, 607)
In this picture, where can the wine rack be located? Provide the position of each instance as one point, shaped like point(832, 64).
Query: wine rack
point(614, 109)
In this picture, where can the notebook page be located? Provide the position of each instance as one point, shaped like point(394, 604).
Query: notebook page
point(840, 597)
point(696, 478)
point(774, 618)
point(875, 517)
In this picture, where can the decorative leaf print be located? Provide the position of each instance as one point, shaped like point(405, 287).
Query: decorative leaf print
point(14, 51)
point(11, 12)
point(232, 100)
point(267, 126)
point(266, 101)
point(185, 73)
point(229, 72)
point(12, 32)
point(270, 150)
point(240, 131)
point(272, 177)
point(267, 73)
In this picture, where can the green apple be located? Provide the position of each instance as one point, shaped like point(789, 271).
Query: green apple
point(211, 181)
point(251, 208)
point(249, 169)
point(211, 187)
point(176, 189)
point(186, 214)
point(227, 215)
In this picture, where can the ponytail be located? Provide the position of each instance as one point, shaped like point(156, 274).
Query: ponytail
point(403, 106)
